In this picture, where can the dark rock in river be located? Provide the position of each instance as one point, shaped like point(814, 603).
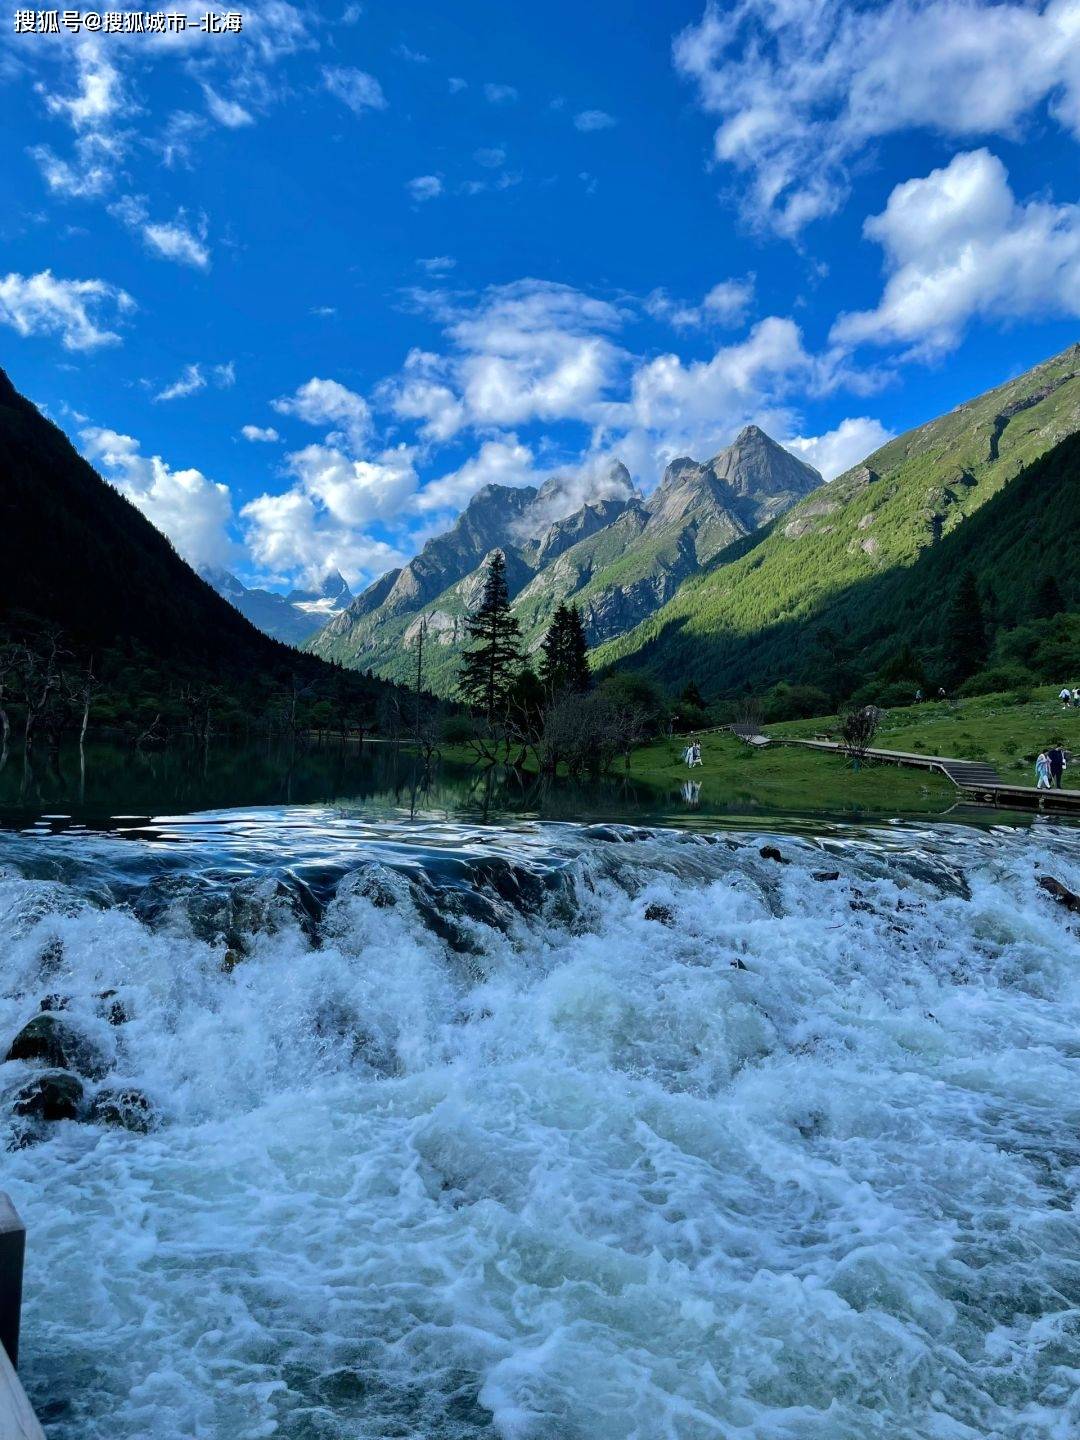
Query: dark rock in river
point(123, 1109)
point(53, 1095)
point(826, 874)
point(1059, 892)
point(216, 911)
point(770, 852)
point(55, 1002)
point(112, 1009)
point(50, 1039)
point(661, 913)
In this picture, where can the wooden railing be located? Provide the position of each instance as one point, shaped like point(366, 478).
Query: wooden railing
point(17, 1420)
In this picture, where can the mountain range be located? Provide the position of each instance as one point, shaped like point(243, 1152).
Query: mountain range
point(294, 617)
point(873, 557)
point(619, 557)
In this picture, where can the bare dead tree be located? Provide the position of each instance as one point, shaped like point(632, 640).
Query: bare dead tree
point(858, 724)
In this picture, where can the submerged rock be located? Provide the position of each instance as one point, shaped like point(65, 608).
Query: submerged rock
point(112, 1009)
point(54, 1095)
point(826, 874)
point(51, 1039)
point(1061, 893)
point(54, 1002)
point(123, 1109)
point(661, 913)
point(214, 911)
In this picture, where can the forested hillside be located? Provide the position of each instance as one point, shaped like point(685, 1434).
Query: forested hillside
point(78, 558)
point(871, 563)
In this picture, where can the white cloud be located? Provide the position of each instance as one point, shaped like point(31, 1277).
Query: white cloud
point(532, 350)
point(457, 85)
point(414, 57)
point(500, 94)
point(491, 158)
point(190, 380)
point(323, 312)
point(438, 264)
point(354, 88)
point(327, 402)
point(318, 524)
point(227, 112)
point(76, 310)
point(497, 462)
point(590, 120)
point(91, 175)
point(839, 450)
point(193, 511)
point(958, 246)
point(170, 240)
point(98, 97)
point(804, 86)
point(726, 304)
point(193, 378)
point(265, 434)
point(424, 187)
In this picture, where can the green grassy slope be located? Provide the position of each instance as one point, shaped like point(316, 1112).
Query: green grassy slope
point(874, 555)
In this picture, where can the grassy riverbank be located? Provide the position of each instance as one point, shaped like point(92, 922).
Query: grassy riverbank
point(779, 776)
point(1008, 730)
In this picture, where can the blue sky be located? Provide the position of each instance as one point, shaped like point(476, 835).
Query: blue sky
point(300, 291)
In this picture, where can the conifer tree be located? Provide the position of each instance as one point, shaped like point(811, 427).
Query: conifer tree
point(965, 629)
point(564, 665)
point(1048, 600)
point(491, 663)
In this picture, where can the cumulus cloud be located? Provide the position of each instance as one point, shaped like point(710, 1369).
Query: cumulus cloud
point(265, 434)
point(500, 94)
point(438, 264)
point(589, 120)
point(801, 88)
point(193, 511)
point(726, 304)
point(490, 158)
point(354, 88)
point(839, 450)
point(498, 462)
point(329, 403)
point(958, 246)
point(424, 187)
point(77, 310)
point(532, 350)
point(318, 524)
point(98, 96)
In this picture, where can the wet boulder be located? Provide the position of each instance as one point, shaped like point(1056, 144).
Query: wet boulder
point(112, 1009)
point(1061, 893)
point(662, 914)
point(123, 1109)
point(771, 852)
point(52, 1095)
point(216, 910)
point(58, 1044)
point(826, 875)
point(54, 1002)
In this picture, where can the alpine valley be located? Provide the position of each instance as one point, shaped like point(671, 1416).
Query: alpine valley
point(618, 558)
point(747, 570)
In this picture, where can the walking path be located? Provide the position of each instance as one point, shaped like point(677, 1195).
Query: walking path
point(977, 779)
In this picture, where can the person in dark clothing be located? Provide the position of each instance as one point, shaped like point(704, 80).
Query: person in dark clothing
point(1056, 756)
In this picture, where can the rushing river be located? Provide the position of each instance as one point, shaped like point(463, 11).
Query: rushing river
point(550, 1132)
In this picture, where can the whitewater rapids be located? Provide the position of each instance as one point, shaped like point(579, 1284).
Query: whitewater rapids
point(453, 1141)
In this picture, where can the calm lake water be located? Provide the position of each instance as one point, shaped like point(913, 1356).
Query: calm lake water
point(469, 1119)
point(118, 783)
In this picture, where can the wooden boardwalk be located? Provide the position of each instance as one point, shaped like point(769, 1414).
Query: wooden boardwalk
point(975, 779)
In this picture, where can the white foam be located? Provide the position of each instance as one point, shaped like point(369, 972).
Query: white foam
point(591, 1183)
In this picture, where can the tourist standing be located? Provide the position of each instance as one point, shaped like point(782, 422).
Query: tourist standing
point(1058, 764)
point(1042, 771)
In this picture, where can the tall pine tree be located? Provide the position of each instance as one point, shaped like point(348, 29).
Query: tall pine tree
point(1048, 600)
point(965, 630)
point(564, 664)
point(492, 662)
